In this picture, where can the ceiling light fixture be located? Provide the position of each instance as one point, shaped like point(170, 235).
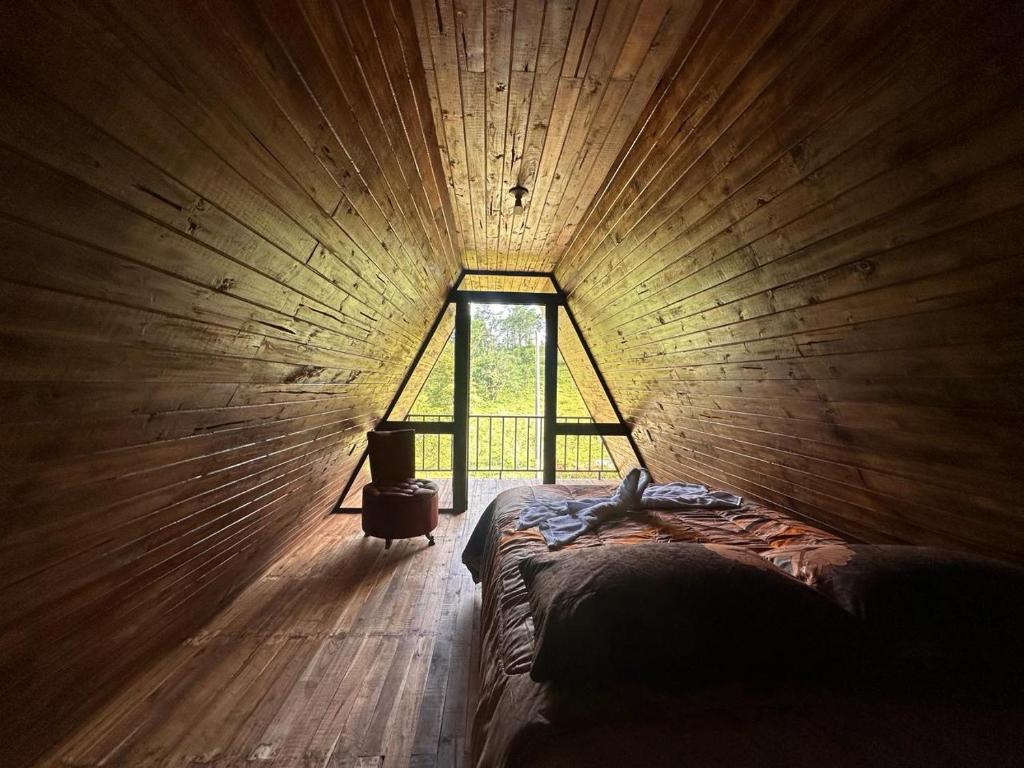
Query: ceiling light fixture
point(518, 190)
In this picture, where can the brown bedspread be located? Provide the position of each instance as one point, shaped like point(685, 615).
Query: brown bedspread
point(523, 723)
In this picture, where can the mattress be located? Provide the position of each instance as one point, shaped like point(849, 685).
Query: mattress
point(520, 722)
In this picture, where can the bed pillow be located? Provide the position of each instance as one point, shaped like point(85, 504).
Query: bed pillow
point(675, 614)
point(932, 608)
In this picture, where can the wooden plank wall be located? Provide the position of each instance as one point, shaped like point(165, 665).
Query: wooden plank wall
point(803, 278)
point(224, 232)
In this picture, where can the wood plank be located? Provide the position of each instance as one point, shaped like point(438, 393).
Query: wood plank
point(341, 653)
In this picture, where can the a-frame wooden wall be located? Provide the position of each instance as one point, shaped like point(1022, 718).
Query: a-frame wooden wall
point(804, 277)
point(225, 230)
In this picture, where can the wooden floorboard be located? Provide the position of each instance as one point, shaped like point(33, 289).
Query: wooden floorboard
point(341, 654)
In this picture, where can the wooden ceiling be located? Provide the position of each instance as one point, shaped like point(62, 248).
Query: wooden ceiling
point(541, 93)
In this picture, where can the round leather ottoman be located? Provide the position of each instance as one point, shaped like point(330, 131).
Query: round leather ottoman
point(400, 510)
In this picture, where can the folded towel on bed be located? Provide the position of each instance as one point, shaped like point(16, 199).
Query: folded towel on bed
point(563, 522)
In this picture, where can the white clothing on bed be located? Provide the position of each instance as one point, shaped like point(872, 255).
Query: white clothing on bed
point(563, 522)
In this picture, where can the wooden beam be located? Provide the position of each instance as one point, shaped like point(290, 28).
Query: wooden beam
point(460, 440)
point(508, 273)
point(550, 389)
point(509, 297)
point(421, 427)
point(603, 429)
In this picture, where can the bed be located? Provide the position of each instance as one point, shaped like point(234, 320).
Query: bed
point(520, 722)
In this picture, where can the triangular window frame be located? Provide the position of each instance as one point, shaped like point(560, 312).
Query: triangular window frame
point(551, 296)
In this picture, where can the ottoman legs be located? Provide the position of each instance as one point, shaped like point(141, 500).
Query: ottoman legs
point(387, 542)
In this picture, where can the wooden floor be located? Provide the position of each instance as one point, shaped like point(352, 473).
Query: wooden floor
point(341, 654)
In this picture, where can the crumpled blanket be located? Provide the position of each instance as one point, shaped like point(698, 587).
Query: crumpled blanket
point(563, 522)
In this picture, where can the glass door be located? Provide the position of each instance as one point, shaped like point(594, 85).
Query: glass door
point(506, 392)
point(502, 443)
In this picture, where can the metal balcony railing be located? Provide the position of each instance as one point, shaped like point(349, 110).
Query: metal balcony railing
point(513, 445)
